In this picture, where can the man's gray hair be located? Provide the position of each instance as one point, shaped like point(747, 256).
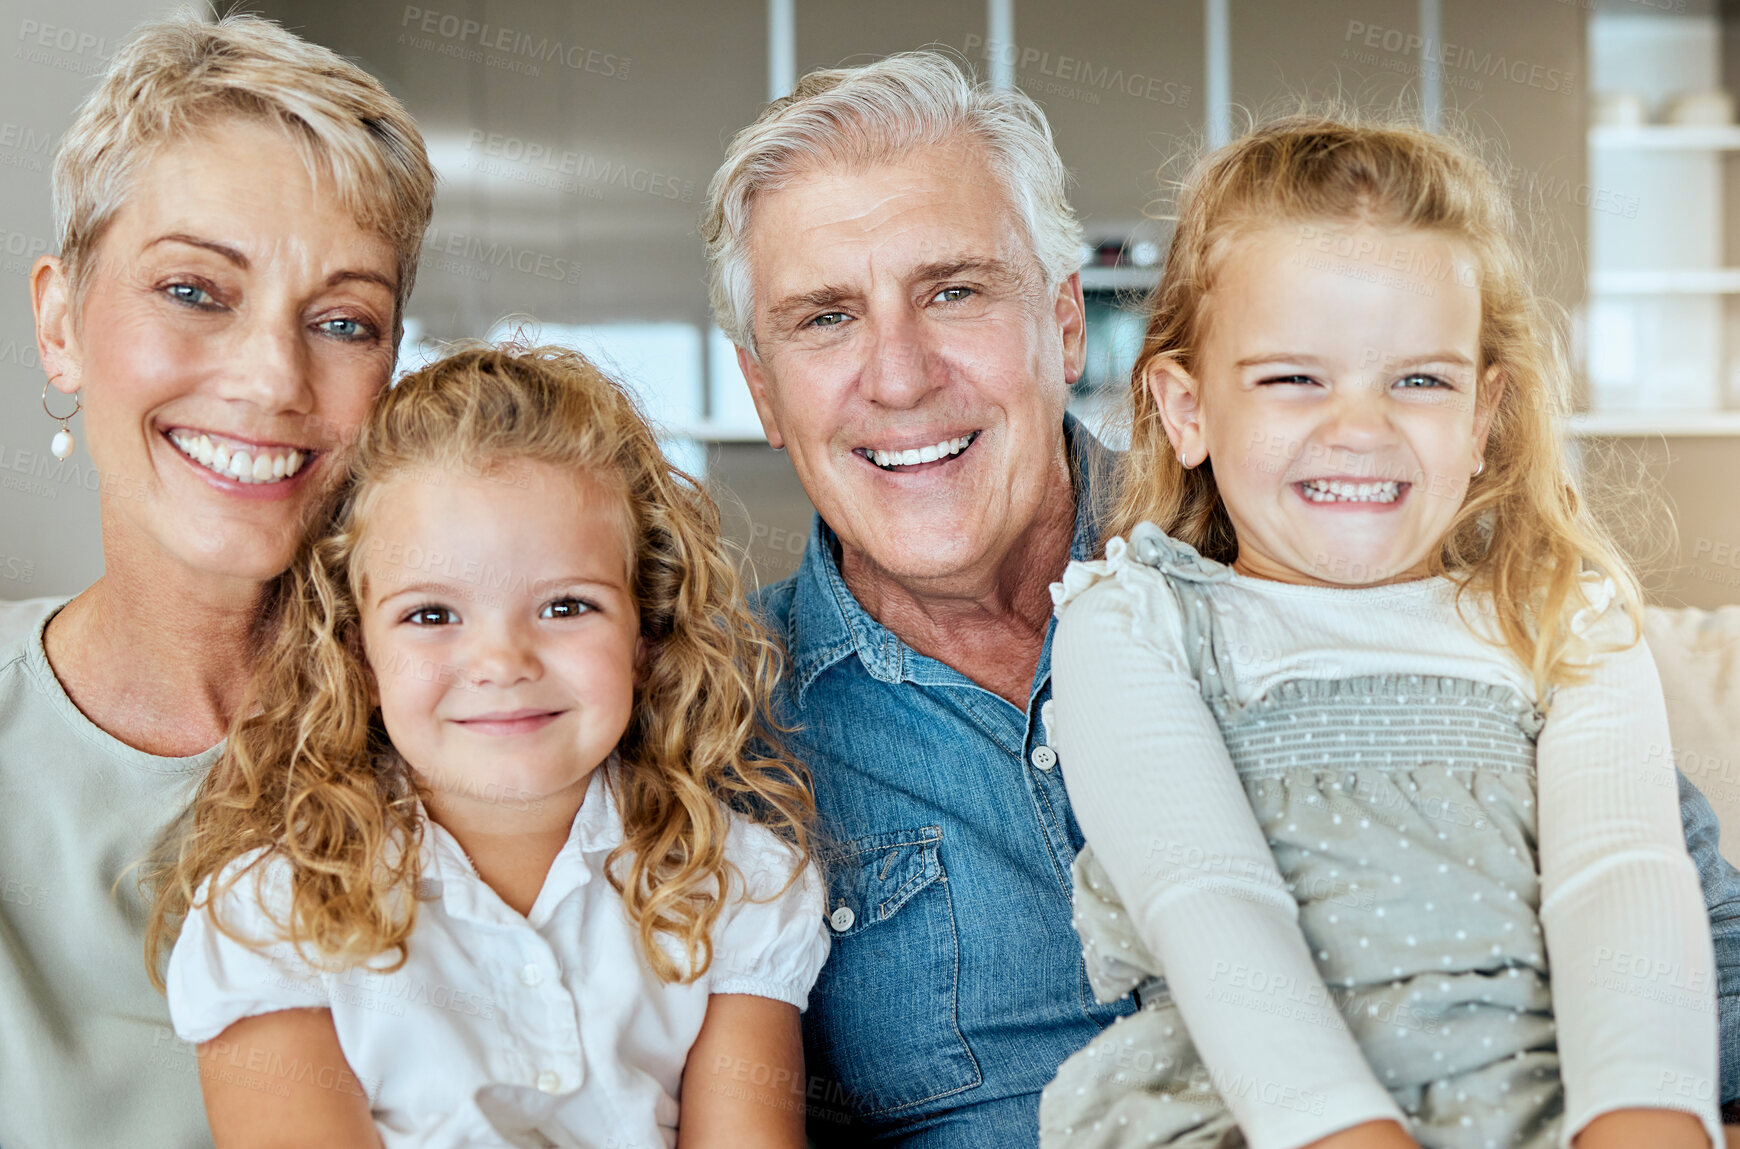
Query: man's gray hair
point(878, 113)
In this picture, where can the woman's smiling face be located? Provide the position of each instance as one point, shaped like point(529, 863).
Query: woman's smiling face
point(235, 325)
point(1335, 397)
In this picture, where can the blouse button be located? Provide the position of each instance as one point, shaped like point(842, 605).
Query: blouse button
point(842, 919)
point(531, 975)
point(549, 1082)
point(1043, 757)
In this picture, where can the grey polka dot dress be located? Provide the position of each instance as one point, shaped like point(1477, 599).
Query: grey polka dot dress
point(1401, 813)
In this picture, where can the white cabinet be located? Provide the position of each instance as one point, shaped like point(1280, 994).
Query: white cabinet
point(1660, 351)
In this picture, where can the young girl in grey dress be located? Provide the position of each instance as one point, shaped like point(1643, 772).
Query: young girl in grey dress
point(1361, 733)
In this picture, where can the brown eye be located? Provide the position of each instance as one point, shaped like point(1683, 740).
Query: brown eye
point(566, 608)
point(431, 616)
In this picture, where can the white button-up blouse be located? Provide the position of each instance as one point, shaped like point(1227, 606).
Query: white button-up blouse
point(541, 1030)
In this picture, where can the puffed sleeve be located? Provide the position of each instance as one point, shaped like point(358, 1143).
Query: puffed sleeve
point(215, 979)
point(770, 943)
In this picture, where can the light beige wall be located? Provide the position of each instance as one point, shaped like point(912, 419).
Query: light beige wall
point(49, 53)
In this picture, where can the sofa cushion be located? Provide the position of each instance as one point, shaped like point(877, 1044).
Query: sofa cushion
point(1698, 655)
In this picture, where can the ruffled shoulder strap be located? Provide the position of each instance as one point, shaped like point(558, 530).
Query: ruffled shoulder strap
point(1134, 564)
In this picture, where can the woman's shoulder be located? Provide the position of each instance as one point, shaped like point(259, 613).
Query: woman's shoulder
point(21, 627)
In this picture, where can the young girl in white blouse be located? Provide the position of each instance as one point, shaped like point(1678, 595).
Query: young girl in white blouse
point(1355, 716)
point(493, 862)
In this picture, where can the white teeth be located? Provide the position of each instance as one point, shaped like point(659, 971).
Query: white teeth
point(913, 456)
point(267, 465)
point(1336, 491)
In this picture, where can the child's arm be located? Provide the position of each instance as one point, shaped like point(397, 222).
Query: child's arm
point(744, 1040)
point(1369, 1135)
point(1624, 918)
point(254, 1100)
point(1159, 800)
point(1656, 1128)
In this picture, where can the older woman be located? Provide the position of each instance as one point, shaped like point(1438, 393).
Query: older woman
point(240, 214)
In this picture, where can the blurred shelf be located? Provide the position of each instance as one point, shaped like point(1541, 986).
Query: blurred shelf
point(1667, 137)
point(1096, 278)
point(1708, 281)
point(1652, 424)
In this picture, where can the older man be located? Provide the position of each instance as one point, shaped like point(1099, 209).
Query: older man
point(894, 257)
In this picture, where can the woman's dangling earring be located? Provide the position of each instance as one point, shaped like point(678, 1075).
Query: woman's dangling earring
point(62, 444)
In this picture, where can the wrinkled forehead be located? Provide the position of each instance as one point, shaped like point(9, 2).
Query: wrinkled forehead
point(895, 213)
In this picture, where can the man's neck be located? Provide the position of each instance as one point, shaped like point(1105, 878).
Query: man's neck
point(989, 623)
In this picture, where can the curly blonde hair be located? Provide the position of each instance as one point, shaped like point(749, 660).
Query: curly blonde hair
point(1523, 535)
point(311, 776)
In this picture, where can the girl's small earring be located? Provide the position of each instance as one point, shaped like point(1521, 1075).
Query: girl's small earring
point(1481, 466)
point(1182, 461)
point(62, 444)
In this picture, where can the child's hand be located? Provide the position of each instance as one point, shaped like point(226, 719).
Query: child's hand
point(1368, 1135)
point(743, 1084)
point(254, 1102)
point(1657, 1128)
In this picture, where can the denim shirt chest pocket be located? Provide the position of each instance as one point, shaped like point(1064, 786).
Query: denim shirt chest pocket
point(890, 982)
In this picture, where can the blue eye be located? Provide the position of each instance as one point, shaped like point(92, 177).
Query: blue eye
point(566, 608)
point(431, 616)
point(953, 294)
point(1304, 380)
point(189, 293)
point(1417, 381)
point(347, 328)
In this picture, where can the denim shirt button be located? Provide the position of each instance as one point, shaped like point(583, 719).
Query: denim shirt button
point(842, 919)
point(1044, 757)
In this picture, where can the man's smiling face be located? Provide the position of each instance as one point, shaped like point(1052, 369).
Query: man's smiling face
point(911, 358)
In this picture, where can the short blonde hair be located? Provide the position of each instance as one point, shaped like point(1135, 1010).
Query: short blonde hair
point(177, 76)
point(849, 117)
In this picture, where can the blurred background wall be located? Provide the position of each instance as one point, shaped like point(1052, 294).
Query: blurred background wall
point(575, 141)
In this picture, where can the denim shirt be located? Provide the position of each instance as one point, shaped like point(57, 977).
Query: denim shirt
point(956, 985)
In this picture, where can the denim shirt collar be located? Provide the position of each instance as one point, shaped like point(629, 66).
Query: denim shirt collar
point(827, 622)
